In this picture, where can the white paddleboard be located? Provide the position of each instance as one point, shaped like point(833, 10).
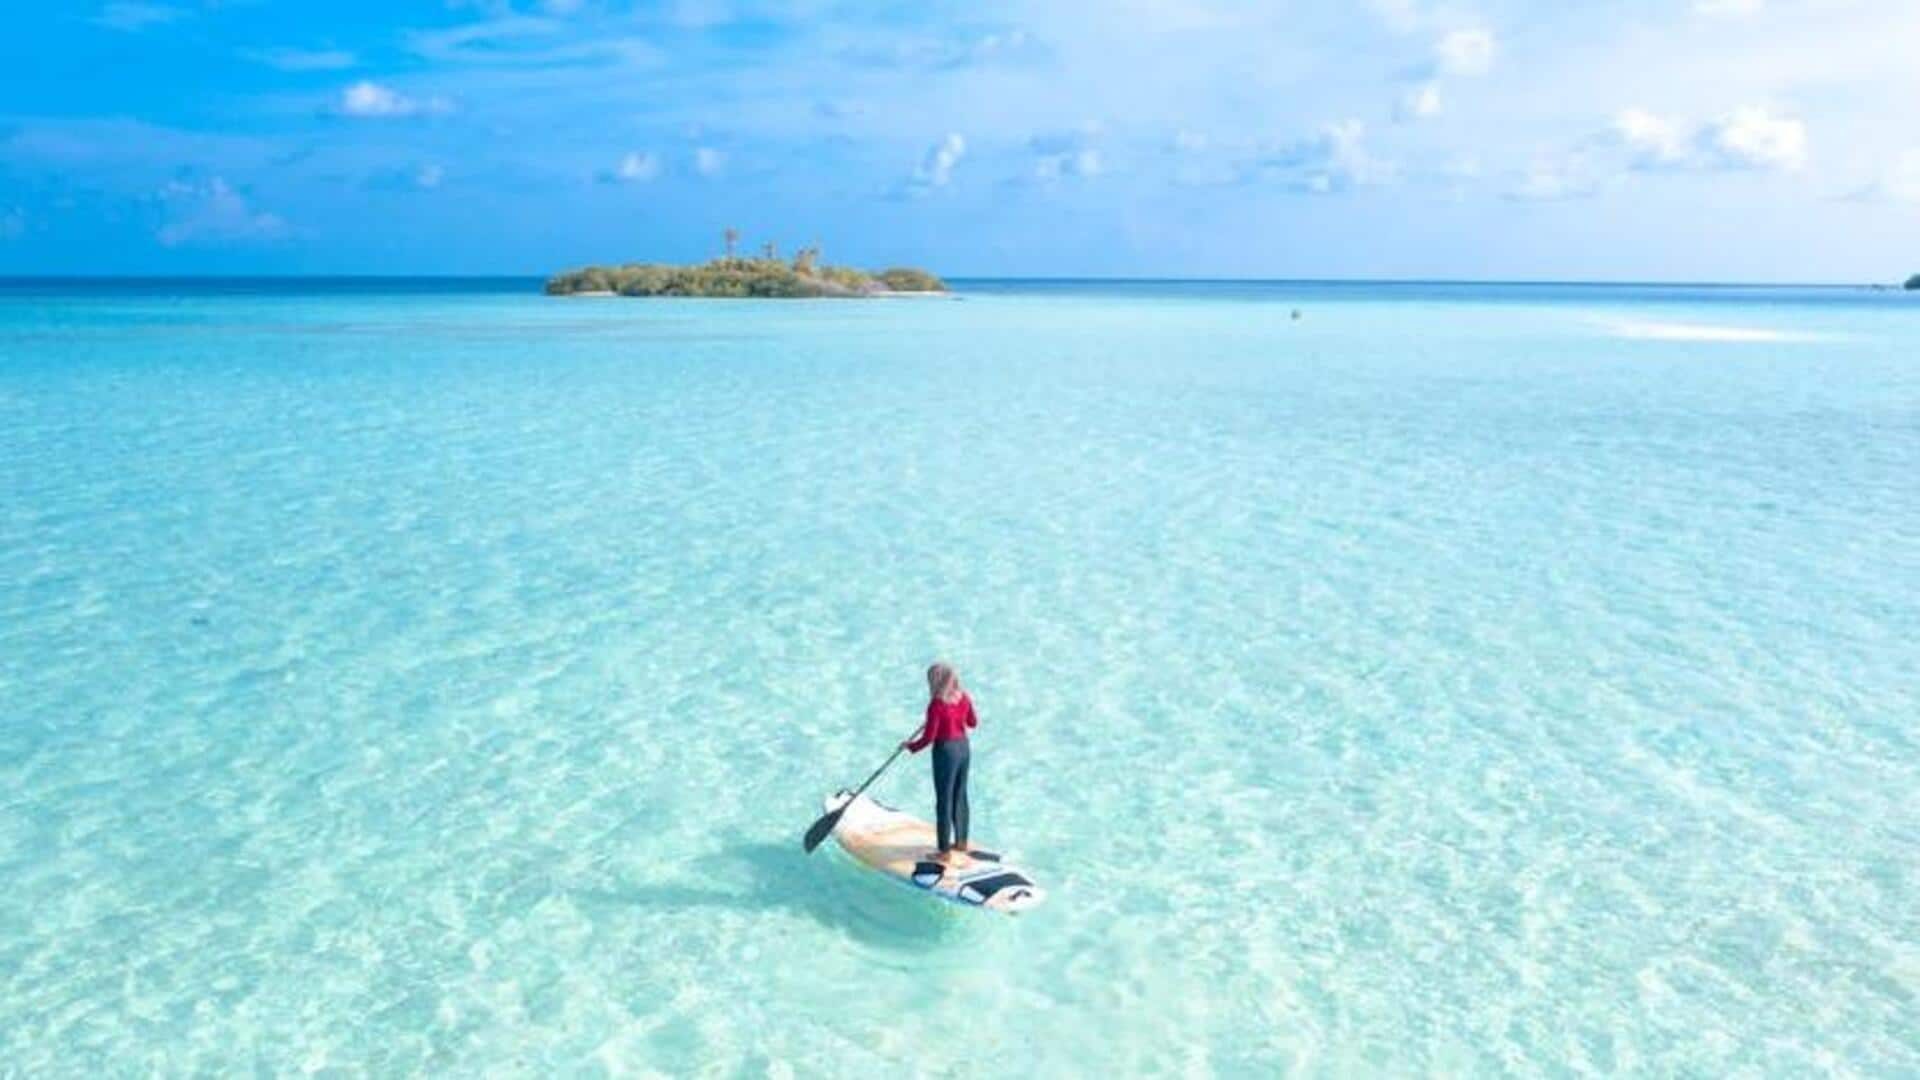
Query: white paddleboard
point(902, 846)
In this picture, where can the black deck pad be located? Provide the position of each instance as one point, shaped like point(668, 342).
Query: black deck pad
point(981, 891)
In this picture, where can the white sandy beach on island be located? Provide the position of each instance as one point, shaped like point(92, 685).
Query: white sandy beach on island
point(1707, 333)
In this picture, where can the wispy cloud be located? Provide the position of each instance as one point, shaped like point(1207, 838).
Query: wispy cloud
point(634, 168)
point(118, 147)
point(302, 59)
point(1755, 138)
point(427, 177)
point(1068, 155)
point(1552, 179)
point(1752, 137)
point(936, 166)
point(1400, 16)
point(1654, 142)
point(212, 211)
point(1900, 183)
point(1420, 103)
point(1199, 161)
point(1209, 109)
point(132, 16)
point(370, 99)
point(838, 110)
point(1465, 52)
point(950, 51)
point(530, 41)
point(1334, 160)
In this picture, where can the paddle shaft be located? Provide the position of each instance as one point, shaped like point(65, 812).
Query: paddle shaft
point(827, 821)
point(884, 766)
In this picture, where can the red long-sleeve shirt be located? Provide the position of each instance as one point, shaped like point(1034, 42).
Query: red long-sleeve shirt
point(945, 720)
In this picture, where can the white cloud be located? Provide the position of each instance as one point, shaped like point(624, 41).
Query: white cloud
point(1754, 138)
point(1081, 164)
point(1751, 137)
point(948, 51)
point(1459, 173)
point(709, 162)
point(1190, 142)
point(212, 211)
point(529, 41)
point(1727, 7)
point(1550, 180)
point(1065, 155)
point(636, 168)
point(1900, 183)
point(132, 16)
point(425, 177)
point(1400, 16)
point(936, 168)
point(1195, 164)
point(1012, 45)
point(1334, 160)
point(367, 98)
point(1420, 103)
point(303, 59)
point(1465, 52)
point(1654, 141)
point(1903, 180)
point(1347, 160)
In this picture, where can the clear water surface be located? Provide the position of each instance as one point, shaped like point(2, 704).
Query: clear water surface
point(437, 677)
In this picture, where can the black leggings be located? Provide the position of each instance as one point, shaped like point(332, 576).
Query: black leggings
point(950, 791)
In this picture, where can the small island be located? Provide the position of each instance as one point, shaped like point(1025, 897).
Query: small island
point(1914, 282)
point(731, 275)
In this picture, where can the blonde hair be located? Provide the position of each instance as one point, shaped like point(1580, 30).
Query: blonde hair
point(943, 683)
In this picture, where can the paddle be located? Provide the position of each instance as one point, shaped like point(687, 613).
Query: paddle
point(832, 817)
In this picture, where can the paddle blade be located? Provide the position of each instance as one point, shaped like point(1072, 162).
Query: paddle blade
point(822, 827)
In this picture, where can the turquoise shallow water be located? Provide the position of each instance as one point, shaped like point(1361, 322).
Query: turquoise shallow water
point(1469, 680)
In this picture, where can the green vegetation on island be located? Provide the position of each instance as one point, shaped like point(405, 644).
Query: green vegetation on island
point(1914, 282)
point(767, 275)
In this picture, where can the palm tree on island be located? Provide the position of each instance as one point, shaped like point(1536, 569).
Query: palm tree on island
point(735, 276)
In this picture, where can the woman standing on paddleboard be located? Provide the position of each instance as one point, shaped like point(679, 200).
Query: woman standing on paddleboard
point(949, 717)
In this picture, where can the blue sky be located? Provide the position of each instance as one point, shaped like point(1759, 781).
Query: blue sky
point(1749, 140)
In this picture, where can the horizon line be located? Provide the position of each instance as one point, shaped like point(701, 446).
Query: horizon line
point(1042, 280)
